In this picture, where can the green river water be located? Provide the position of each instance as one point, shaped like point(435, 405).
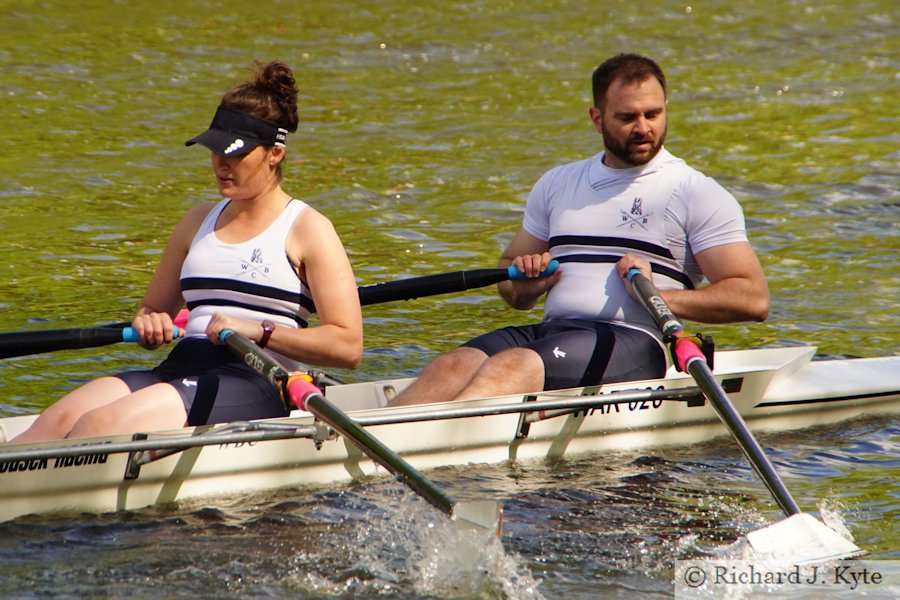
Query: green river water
point(423, 127)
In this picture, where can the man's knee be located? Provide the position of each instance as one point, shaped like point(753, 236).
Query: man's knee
point(462, 360)
point(443, 378)
point(515, 358)
point(509, 372)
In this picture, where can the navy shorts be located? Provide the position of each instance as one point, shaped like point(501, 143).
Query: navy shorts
point(579, 352)
point(215, 385)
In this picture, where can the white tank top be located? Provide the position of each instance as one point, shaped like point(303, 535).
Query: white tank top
point(591, 215)
point(251, 280)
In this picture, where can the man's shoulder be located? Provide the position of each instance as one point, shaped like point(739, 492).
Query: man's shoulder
point(567, 171)
point(666, 161)
point(574, 166)
point(677, 169)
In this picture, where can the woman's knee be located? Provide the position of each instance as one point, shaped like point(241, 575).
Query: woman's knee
point(52, 424)
point(93, 422)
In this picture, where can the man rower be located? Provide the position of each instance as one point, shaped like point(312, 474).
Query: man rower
point(632, 205)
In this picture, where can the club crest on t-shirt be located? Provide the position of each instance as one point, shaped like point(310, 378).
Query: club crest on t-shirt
point(636, 218)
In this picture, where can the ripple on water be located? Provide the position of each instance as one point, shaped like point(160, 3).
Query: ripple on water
point(423, 127)
point(605, 524)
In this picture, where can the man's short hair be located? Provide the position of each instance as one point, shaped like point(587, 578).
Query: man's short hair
point(629, 68)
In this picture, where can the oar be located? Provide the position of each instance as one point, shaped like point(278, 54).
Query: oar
point(483, 515)
point(23, 343)
point(441, 283)
point(800, 536)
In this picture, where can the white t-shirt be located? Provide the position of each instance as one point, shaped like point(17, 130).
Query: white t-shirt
point(592, 215)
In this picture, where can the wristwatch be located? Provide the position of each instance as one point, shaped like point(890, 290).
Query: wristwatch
point(268, 328)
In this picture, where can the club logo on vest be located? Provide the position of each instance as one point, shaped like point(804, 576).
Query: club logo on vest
point(255, 267)
point(636, 217)
point(559, 353)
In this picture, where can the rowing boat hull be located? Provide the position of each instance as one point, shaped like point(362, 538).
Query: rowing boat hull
point(774, 389)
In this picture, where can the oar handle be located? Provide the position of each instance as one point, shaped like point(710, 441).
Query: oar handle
point(515, 274)
point(668, 323)
point(130, 334)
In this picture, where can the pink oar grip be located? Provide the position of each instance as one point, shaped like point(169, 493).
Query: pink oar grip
point(181, 318)
point(299, 389)
point(687, 351)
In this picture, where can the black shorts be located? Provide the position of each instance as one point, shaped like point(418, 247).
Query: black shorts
point(579, 352)
point(215, 385)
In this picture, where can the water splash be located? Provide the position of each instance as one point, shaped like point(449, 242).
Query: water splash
point(401, 543)
point(833, 512)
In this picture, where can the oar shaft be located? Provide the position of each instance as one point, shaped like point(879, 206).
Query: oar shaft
point(313, 401)
point(441, 283)
point(24, 343)
point(692, 360)
point(699, 370)
point(37, 342)
point(428, 285)
point(306, 396)
point(667, 322)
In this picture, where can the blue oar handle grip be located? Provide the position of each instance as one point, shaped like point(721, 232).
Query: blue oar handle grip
point(516, 274)
point(632, 272)
point(225, 334)
point(130, 334)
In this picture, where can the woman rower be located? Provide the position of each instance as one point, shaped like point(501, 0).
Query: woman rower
point(257, 262)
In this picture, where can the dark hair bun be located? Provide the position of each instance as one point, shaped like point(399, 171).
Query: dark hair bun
point(271, 95)
point(278, 79)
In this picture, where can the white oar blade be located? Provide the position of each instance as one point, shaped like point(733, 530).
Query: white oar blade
point(483, 514)
point(802, 538)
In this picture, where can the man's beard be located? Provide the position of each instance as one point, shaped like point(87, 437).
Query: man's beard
point(635, 159)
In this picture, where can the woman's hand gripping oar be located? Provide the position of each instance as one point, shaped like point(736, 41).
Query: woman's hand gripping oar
point(23, 343)
point(297, 389)
point(800, 537)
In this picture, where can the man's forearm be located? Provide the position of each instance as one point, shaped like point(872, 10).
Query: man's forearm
point(727, 301)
